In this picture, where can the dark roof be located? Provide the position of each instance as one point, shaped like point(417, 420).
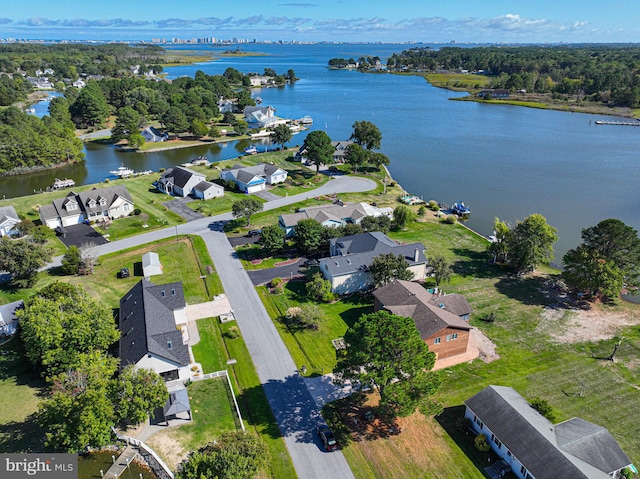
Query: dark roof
point(205, 185)
point(147, 323)
point(356, 252)
point(408, 299)
point(534, 440)
point(180, 176)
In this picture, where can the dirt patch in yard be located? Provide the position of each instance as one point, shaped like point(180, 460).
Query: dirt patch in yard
point(168, 448)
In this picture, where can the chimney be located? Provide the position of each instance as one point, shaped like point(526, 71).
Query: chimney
point(416, 255)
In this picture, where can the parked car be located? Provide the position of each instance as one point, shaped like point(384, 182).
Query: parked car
point(253, 233)
point(327, 437)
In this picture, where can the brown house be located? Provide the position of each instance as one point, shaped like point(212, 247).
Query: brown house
point(441, 320)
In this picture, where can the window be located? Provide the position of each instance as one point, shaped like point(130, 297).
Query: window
point(436, 341)
point(169, 345)
point(478, 421)
point(173, 292)
point(162, 293)
point(103, 201)
point(71, 206)
point(448, 337)
point(454, 336)
point(496, 441)
point(127, 206)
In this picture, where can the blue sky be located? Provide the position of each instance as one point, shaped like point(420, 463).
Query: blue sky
point(428, 21)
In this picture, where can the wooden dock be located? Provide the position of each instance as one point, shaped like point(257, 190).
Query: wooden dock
point(121, 464)
point(619, 123)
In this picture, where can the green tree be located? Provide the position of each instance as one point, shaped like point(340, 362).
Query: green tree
point(136, 393)
point(376, 223)
point(319, 148)
point(234, 455)
point(135, 141)
point(198, 127)
point(319, 289)
point(531, 243)
point(90, 108)
point(175, 120)
point(386, 352)
point(355, 156)
point(499, 248)
point(387, 266)
point(127, 122)
point(59, 111)
point(272, 239)
point(281, 134)
point(441, 268)
point(241, 127)
point(585, 270)
point(402, 214)
point(376, 160)
point(366, 134)
point(309, 236)
point(61, 324)
point(544, 408)
point(245, 208)
point(23, 259)
point(71, 261)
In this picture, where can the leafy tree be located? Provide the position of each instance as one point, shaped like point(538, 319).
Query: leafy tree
point(319, 288)
point(585, 270)
point(229, 118)
point(78, 412)
point(127, 122)
point(135, 141)
point(500, 247)
point(90, 108)
point(136, 393)
point(234, 455)
point(544, 408)
point(307, 316)
point(309, 236)
point(198, 127)
point(531, 243)
point(376, 223)
point(272, 239)
point(175, 120)
point(246, 207)
point(386, 352)
point(355, 156)
point(319, 148)
point(213, 132)
point(291, 75)
point(23, 259)
point(281, 134)
point(401, 216)
point(388, 266)
point(241, 127)
point(60, 325)
point(378, 159)
point(59, 111)
point(441, 269)
point(481, 443)
point(366, 134)
point(71, 261)
point(41, 234)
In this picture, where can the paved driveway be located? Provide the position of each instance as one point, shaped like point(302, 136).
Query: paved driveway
point(262, 276)
point(80, 235)
point(266, 195)
point(179, 206)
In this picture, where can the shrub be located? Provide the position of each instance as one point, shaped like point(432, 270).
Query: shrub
point(137, 212)
point(451, 219)
point(481, 443)
point(275, 282)
point(433, 205)
point(161, 170)
point(422, 211)
point(544, 408)
point(232, 333)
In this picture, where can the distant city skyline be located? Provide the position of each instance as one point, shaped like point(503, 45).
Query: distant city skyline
point(491, 21)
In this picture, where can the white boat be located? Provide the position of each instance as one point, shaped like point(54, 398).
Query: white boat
point(251, 150)
point(122, 171)
point(305, 120)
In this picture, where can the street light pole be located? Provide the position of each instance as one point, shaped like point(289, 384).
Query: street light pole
point(176, 233)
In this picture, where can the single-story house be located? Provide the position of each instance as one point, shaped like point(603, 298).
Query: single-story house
point(348, 267)
point(206, 190)
point(152, 135)
point(94, 205)
point(441, 320)
point(8, 319)
point(180, 181)
point(338, 214)
point(151, 265)
point(8, 220)
point(534, 447)
point(494, 93)
point(254, 178)
point(150, 338)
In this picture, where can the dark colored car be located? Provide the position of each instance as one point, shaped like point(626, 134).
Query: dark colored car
point(124, 273)
point(327, 437)
point(253, 233)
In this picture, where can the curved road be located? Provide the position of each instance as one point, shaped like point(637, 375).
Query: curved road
point(292, 404)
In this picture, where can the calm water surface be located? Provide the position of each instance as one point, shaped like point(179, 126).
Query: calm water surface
point(501, 160)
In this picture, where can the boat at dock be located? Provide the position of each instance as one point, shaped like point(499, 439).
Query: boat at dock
point(620, 123)
point(460, 209)
point(261, 134)
point(122, 172)
point(251, 150)
point(305, 120)
point(59, 184)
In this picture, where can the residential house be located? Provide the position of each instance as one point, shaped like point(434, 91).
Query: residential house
point(348, 267)
point(8, 319)
point(250, 179)
point(494, 93)
point(534, 447)
point(79, 83)
point(93, 205)
point(338, 214)
point(225, 106)
point(149, 320)
point(441, 320)
point(152, 135)
point(41, 83)
point(261, 80)
point(338, 154)
point(261, 116)
point(180, 181)
point(8, 220)
point(206, 190)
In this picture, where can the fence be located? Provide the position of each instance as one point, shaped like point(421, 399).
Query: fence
point(219, 374)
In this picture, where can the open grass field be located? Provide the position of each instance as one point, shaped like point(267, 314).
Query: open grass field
point(457, 81)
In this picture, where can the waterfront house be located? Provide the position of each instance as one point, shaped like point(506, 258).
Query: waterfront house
point(152, 135)
point(498, 93)
point(338, 214)
point(534, 447)
point(179, 181)
point(93, 205)
point(261, 116)
point(8, 319)
point(225, 106)
point(149, 320)
point(251, 179)
point(8, 220)
point(441, 320)
point(338, 153)
point(261, 80)
point(347, 268)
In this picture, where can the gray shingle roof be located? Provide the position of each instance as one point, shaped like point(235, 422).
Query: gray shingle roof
point(147, 323)
point(58, 206)
point(534, 440)
point(180, 176)
point(408, 299)
point(205, 185)
point(7, 212)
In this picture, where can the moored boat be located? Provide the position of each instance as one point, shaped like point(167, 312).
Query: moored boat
point(251, 150)
point(122, 171)
point(305, 120)
point(59, 184)
point(460, 209)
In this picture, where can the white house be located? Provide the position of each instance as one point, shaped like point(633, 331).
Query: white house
point(149, 320)
point(250, 179)
point(179, 181)
point(206, 190)
point(534, 447)
point(8, 319)
point(152, 135)
point(348, 266)
point(8, 220)
point(94, 205)
point(261, 116)
point(225, 106)
point(79, 83)
point(261, 80)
